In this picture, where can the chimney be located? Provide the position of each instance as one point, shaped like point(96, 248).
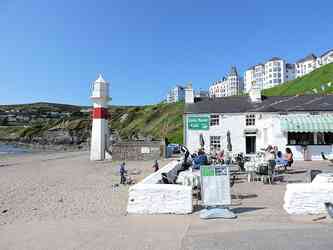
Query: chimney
point(255, 94)
point(189, 95)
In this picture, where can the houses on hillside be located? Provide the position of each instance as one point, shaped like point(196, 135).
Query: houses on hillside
point(277, 71)
point(268, 74)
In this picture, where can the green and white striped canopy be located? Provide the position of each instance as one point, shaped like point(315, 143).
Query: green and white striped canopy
point(307, 123)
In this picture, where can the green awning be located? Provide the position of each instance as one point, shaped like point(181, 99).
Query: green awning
point(307, 123)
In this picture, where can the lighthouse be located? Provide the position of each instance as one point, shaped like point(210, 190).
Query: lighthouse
point(100, 131)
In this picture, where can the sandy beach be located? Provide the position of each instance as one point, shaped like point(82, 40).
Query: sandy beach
point(64, 201)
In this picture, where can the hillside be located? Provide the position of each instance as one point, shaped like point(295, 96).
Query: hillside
point(155, 121)
point(318, 79)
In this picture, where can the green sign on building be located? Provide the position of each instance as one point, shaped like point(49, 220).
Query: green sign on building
point(198, 122)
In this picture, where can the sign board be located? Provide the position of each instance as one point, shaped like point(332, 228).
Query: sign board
point(145, 150)
point(215, 185)
point(198, 122)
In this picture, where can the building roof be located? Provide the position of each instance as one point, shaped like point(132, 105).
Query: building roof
point(242, 104)
point(327, 52)
point(274, 59)
point(233, 71)
point(307, 58)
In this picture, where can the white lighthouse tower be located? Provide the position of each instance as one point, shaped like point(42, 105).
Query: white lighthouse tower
point(100, 131)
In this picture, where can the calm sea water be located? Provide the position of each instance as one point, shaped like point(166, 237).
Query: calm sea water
point(12, 149)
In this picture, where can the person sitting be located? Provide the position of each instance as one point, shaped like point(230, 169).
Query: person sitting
point(200, 159)
point(289, 157)
point(220, 157)
point(279, 159)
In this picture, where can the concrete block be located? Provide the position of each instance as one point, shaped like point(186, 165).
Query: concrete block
point(307, 198)
point(149, 197)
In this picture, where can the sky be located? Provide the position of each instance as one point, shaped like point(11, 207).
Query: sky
point(52, 50)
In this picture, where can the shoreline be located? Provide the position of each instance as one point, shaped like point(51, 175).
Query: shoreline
point(40, 148)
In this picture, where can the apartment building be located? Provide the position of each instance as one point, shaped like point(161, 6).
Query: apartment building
point(230, 85)
point(176, 94)
point(273, 72)
point(326, 58)
point(306, 65)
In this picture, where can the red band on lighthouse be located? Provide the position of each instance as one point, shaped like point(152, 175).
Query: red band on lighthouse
point(100, 113)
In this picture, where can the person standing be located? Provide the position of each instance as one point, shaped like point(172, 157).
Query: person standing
point(122, 172)
point(156, 166)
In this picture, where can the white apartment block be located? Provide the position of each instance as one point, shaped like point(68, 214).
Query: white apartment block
point(272, 73)
point(306, 65)
point(230, 85)
point(326, 58)
point(176, 94)
point(254, 76)
point(275, 72)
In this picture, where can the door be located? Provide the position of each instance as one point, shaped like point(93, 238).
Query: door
point(250, 144)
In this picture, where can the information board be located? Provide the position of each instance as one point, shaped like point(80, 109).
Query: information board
point(198, 122)
point(215, 185)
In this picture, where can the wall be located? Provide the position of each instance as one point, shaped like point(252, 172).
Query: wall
point(138, 150)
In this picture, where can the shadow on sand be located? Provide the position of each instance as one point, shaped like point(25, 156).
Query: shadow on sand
point(240, 210)
point(243, 196)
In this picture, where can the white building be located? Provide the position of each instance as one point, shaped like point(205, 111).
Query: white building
point(176, 94)
point(249, 79)
point(326, 58)
point(254, 123)
point(254, 76)
point(306, 65)
point(273, 72)
point(230, 85)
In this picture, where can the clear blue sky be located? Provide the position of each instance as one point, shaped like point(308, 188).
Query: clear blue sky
point(52, 50)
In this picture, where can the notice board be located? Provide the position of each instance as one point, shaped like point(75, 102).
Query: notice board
point(215, 185)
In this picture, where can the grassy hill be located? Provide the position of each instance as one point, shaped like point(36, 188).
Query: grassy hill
point(42, 107)
point(156, 121)
point(305, 85)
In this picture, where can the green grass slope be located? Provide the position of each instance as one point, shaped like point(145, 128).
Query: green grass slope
point(305, 85)
point(157, 121)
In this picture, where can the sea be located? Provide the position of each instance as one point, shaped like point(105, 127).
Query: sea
point(10, 149)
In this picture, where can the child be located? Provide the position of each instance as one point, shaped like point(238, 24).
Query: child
point(122, 172)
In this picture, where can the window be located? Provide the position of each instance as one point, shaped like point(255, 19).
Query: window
point(310, 138)
point(214, 120)
point(215, 143)
point(250, 144)
point(300, 138)
point(250, 120)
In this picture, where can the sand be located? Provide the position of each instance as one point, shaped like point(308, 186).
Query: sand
point(64, 201)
